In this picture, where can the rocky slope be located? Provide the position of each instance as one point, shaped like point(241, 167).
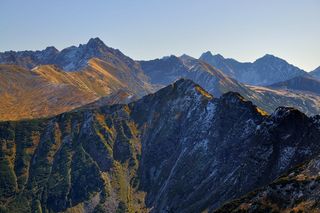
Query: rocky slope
point(264, 71)
point(296, 191)
point(178, 150)
point(27, 94)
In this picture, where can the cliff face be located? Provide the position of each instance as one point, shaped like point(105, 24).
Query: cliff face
point(178, 150)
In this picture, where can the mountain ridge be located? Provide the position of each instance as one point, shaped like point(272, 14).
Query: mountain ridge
point(178, 149)
point(266, 70)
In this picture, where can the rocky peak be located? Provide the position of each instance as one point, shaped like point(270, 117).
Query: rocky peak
point(186, 57)
point(206, 54)
point(210, 57)
point(95, 42)
point(182, 88)
point(232, 97)
point(51, 49)
point(288, 114)
point(270, 60)
point(234, 103)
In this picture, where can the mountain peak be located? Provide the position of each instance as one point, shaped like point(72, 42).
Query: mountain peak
point(232, 96)
point(209, 56)
point(51, 49)
point(208, 53)
point(268, 57)
point(289, 114)
point(187, 86)
point(316, 70)
point(94, 42)
point(185, 56)
point(184, 82)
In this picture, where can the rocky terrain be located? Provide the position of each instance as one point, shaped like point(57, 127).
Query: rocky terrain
point(296, 191)
point(177, 150)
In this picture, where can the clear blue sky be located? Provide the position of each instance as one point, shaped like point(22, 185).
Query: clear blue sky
point(147, 29)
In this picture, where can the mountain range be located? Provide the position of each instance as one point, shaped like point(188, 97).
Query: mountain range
point(177, 150)
point(94, 71)
point(264, 71)
point(164, 71)
point(88, 129)
point(41, 89)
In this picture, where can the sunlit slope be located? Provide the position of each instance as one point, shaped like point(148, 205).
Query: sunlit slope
point(27, 94)
point(47, 90)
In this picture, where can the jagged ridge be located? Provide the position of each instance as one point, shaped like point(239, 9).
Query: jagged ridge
point(179, 149)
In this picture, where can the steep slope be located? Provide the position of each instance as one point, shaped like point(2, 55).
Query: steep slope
point(26, 94)
point(264, 71)
point(297, 191)
point(316, 73)
point(178, 150)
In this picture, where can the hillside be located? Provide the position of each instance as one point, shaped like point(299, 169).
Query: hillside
point(296, 191)
point(178, 150)
point(53, 85)
point(47, 90)
point(26, 94)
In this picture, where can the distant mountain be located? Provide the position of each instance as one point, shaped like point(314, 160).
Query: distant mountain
point(301, 83)
point(264, 71)
point(316, 73)
point(29, 59)
point(97, 71)
point(177, 150)
point(70, 59)
point(165, 71)
point(103, 71)
point(168, 69)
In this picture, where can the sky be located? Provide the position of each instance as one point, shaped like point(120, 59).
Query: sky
point(148, 29)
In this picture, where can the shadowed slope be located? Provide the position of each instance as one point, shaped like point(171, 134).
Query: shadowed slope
point(177, 150)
